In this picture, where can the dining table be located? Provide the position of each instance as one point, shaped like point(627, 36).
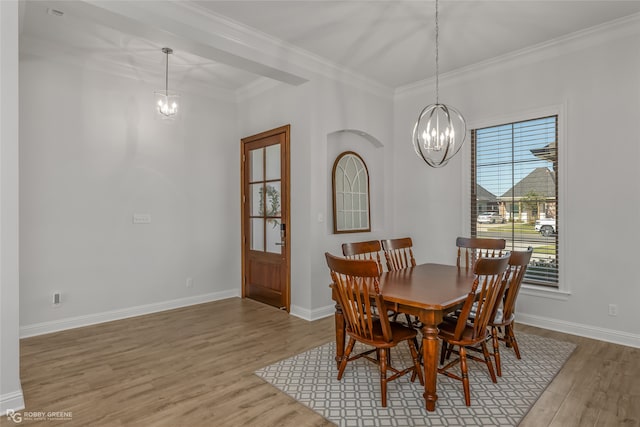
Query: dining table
point(429, 292)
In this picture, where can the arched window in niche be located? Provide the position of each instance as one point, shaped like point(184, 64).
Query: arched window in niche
point(350, 194)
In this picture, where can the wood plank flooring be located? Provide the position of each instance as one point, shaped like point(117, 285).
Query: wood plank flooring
point(194, 367)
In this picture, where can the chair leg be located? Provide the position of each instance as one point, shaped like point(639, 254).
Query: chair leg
point(512, 338)
point(449, 351)
point(409, 322)
point(443, 351)
point(465, 376)
point(347, 352)
point(417, 369)
point(487, 361)
point(383, 376)
point(496, 350)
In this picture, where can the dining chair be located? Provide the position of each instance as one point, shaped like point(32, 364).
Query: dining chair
point(363, 250)
point(485, 292)
point(503, 317)
point(356, 286)
point(398, 253)
point(470, 249)
point(367, 250)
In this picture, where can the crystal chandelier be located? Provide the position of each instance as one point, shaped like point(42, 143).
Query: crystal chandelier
point(440, 129)
point(166, 101)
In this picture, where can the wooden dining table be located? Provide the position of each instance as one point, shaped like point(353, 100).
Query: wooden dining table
point(429, 292)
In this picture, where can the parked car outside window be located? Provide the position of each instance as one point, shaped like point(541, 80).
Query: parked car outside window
point(546, 226)
point(490, 218)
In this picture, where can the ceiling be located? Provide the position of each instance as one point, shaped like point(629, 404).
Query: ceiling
point(391, 43)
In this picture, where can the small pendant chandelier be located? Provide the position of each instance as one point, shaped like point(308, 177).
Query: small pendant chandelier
point(166, 101)
point(440, 130)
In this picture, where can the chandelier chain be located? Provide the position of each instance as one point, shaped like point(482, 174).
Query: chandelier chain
point(437, 57)
point(166, 76)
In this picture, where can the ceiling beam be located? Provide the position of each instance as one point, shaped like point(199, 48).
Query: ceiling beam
point(182, 28)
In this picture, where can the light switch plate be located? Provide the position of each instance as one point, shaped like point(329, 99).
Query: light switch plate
point(141, 218)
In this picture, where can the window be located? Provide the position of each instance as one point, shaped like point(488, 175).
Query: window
point(514, 170)
point(350, 194)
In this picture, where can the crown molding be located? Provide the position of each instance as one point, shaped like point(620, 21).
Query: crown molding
point(579, 40)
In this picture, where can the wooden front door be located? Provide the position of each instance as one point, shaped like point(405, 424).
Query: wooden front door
point(265, 217)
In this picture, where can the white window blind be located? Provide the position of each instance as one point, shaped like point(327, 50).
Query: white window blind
point(514, 191)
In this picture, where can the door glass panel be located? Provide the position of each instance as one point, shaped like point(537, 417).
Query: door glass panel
point(273, 235)
point(257, 234)
point(274, 207)
point(257, 201)
point(273, 162)
point(257, 164)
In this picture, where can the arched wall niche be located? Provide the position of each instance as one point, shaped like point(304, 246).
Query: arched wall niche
point(371, 150)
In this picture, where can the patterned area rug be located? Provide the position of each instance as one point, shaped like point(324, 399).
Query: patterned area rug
point(310, 378)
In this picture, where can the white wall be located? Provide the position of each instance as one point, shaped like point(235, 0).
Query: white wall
point(340, 107)
point(595, 79)
point(315, 110)
point(10, 389)
point(91, 155)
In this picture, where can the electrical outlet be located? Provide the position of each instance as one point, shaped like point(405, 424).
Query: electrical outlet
point(56, 298)
point(189, 283)
point(613, 309)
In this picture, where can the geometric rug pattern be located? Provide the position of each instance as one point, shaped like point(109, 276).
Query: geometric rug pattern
point(311, 379)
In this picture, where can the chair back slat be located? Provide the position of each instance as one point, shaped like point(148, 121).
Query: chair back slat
point(473, 248)
point(369, 250)
point(358, 291)
point(518, 262)
point(485, 292)
point(398, 253)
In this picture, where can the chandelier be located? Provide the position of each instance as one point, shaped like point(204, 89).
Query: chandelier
point(166, 101)
point(440, 129)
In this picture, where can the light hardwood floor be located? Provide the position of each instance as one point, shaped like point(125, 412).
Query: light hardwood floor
point(194, 367)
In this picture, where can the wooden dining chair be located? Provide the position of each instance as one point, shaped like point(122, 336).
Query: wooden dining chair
point(503, 317)
point(363, 250)
point(369, 250)
point(485, 292)
point(470, 249)
point(398, 253)
point(356, 286)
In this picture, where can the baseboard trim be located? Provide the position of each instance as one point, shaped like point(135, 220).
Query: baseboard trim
point(108, 316)
point(587, 331)
point(311, 315)
point(13, 401)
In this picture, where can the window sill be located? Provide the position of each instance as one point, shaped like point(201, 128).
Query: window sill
point(545, 292)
